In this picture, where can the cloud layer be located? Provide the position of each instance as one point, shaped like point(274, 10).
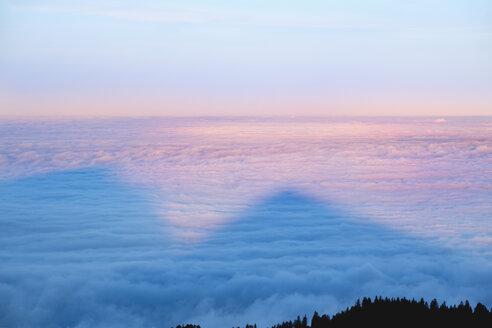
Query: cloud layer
point(223, 222)
point(426, 176)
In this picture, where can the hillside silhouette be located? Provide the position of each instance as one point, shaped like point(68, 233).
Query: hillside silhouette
point(399, 313)
point(393, 313)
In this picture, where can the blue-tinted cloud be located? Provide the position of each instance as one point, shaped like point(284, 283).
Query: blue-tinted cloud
point(228, 221)
point(78, 248)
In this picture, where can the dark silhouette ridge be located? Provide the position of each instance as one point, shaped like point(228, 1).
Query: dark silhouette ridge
point(399, 312)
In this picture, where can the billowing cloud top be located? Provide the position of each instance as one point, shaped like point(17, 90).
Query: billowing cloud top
point(224, 221)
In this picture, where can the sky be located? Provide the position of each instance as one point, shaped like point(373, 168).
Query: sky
point(227, 221)
point(240, 58)
point(211, 162)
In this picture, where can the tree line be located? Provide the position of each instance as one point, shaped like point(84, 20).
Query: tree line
point(393, 312)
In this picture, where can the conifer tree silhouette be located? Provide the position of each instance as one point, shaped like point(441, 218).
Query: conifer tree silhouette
point(397, 312)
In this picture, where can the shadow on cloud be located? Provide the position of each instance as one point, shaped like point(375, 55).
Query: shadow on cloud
point(70, 243)
point(291, 254)
point(80, 249)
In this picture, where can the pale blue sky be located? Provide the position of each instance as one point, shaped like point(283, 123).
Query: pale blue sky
point(246, 57)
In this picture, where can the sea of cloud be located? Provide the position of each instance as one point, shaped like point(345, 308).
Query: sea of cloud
point(220, 222)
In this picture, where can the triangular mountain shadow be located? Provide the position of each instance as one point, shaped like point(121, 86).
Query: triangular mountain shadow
point(292, 218)
point(80, 249)
point(293, 245)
